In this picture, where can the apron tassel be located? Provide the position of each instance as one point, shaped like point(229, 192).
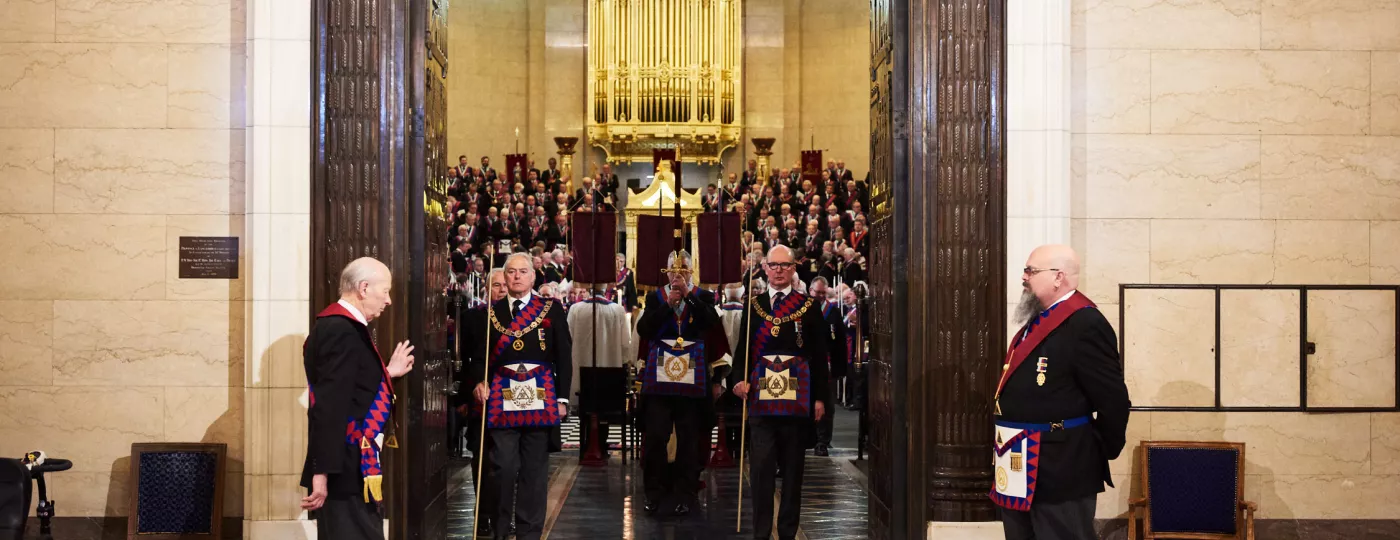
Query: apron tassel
point(374, 488)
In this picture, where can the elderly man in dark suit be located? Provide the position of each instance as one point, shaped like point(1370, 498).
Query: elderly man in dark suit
point(352, 396)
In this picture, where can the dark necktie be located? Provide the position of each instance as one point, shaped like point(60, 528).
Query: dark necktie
point(777, 300)
point(515, 308)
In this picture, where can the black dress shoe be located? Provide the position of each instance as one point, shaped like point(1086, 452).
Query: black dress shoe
point(682, 509)
point(821, 451)
point(651, 507)
point(485, 530)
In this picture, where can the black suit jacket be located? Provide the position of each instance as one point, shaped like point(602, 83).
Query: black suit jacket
point(702, 319)
point(558, 351)
point(343, 371)
point(470, 337)
point(1083, 375)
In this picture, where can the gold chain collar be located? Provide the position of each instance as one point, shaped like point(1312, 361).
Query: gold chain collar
point(775, 320)
point(544, 314)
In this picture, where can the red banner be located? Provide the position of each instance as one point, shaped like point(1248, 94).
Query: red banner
point(720, 252)
point(812, 168)
point(513, 160)
point(594, 246)
point(655, 241)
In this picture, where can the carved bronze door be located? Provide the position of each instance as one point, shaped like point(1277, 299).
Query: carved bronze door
point(379, 190)
point(884, 403)
point(428, 440)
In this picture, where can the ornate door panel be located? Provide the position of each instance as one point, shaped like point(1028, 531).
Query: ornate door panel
point(427, 446)
point(938, 192)
point(881, 404)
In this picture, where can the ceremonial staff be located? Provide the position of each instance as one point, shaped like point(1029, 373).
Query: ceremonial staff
point(486, 367)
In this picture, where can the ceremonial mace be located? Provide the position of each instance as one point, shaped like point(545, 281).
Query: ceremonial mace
point(486, 360)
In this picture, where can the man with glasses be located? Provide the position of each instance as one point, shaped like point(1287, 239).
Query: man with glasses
point(1061, 397)
point(786, 384)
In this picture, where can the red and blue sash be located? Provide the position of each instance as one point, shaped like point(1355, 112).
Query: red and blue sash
point(1035, 331)
point(366, 432)
point(535, 309)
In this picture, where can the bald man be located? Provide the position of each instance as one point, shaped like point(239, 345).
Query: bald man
point(1061, 396)
point(351, 390)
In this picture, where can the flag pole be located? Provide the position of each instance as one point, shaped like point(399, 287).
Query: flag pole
point(486, 368)
point(743, 425)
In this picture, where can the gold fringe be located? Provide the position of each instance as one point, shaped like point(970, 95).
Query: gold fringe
point(374, 487)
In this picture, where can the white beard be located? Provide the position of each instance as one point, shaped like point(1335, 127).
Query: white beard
point(1027, 307)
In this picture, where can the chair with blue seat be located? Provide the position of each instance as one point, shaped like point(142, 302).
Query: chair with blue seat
point(1192, 490)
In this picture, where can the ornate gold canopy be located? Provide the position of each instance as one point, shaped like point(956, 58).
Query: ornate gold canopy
point(659, 199)
point(665, 74)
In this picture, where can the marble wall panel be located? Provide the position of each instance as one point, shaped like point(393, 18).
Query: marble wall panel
point(26, 343)
point(1279, 443)
point(1302, 496)
point(1167, 351)
point(1385, 443)
point(207, 415)
point(1259, 348)
point(1355, 361)
point(1385, 93)
point(195, 21)
point(1111, 92)
point(26, 171)
point(148, 171)
point(1347, 25)
point(99, 257)
point(1248, 92)
point(288, 101)
point(90, 494)
point(1149, 24)
point(207, 86)
point(1212, 251)
point(1361, 175)
point(1139, 429)
point(1172, 176)
point(290, 189)
point(1112, 251)
point(92, 426)
point(204, 289)
point(1385, 258)
point(75, 85)
point(26, 20)
point(1322, 252)
point(179, 343)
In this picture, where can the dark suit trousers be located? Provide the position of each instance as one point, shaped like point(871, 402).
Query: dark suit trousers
point(1064, 520)
point(658, 477)
point(522, 452)
point(777, 440)
point(826, 424)
point(349, 519)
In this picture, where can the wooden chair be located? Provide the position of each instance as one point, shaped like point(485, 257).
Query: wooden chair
point(1192, 490)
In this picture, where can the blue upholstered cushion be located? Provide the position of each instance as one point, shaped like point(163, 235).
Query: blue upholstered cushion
point(176, 492)
point(1193, 489)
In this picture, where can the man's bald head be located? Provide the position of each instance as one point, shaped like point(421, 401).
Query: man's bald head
point(365, 284)
point(1051, 272)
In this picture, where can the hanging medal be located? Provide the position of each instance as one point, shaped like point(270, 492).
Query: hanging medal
point(541, 336)
point(1040, 366)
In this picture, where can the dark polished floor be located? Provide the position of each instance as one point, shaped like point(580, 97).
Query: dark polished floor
point(606, 502)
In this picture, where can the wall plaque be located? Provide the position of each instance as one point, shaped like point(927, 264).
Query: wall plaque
point(208, 257)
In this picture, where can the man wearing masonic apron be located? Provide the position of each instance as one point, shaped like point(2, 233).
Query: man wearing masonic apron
point(676, 382)
point(786, 343)
point(1061, 407)
point(524, 387)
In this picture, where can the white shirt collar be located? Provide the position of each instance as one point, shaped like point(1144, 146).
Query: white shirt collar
point(786, 292)
point(1063, 298)
point(355, 311)
point(529, 295)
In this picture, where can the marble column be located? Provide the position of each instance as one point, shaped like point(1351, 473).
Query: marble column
point(278, 235)
point(1038, 181)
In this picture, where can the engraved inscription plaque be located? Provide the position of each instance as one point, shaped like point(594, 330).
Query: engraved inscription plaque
point(208, 257)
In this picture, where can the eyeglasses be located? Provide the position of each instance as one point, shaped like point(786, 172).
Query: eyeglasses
point(781, 266)
point(1031, 270)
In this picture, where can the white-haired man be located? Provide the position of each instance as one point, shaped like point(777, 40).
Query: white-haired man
point(786, 385)
point(352, 391)
point(530, 373)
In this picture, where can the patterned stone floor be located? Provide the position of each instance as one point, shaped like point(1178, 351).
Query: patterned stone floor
point(606, 502)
